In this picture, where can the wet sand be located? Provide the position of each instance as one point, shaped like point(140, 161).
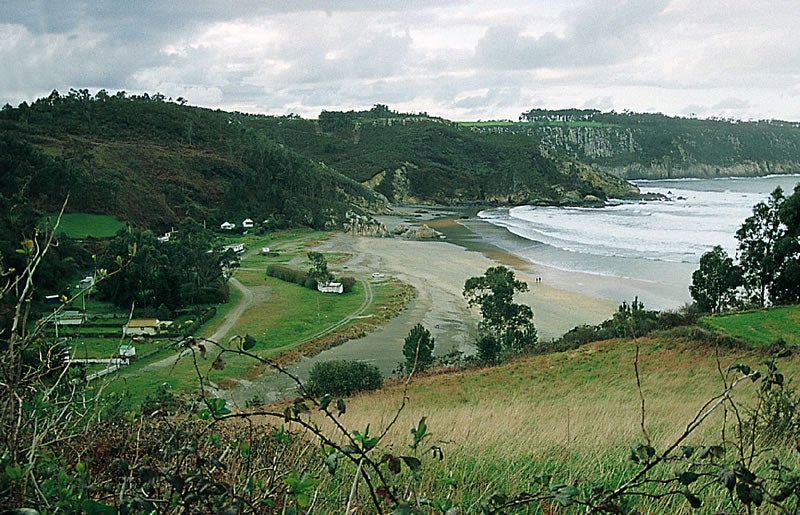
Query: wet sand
point(438, 270)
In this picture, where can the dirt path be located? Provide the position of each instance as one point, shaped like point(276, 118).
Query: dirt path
point(233, 315)
point(230, 319)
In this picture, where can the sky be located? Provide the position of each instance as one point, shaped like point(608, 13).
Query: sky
point(462, 60)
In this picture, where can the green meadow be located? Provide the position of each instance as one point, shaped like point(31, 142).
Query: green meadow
point(761, 327)
point(83, 225)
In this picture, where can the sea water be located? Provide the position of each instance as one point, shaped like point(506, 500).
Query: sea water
point(645, 249)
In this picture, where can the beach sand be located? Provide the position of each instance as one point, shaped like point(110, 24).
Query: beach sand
point(438, 270)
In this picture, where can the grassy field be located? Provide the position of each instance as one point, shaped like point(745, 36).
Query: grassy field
point(83, 225)
point(572, 415)
point(762, 327)
point(283, 316)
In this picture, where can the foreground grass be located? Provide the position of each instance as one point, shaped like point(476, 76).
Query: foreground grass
point(762, 327)
point(572, 415)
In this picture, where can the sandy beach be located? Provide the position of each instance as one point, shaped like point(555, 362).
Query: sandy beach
point(438, 270)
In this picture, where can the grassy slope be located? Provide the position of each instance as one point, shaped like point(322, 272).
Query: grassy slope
point(572, 414)
point(83, 225)
point(761, 327)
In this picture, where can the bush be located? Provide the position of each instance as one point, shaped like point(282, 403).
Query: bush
point(290, 275)
point(342, 378)
point(347, 284)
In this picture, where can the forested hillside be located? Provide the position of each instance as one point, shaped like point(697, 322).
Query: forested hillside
point(154, 161)
point(418, 158)
point(640, 145)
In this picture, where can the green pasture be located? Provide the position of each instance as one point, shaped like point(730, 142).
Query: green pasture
point(761, 327)
point(83, 225)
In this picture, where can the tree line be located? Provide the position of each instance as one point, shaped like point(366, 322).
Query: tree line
point(766, 269)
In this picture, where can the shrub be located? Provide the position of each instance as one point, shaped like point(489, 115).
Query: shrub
point(290, 275)
point(342, 378)
point(347, 284)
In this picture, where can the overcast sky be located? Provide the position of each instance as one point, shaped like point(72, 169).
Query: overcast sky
point(463, 60)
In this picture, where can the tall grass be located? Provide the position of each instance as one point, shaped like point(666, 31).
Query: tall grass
point(572, 415)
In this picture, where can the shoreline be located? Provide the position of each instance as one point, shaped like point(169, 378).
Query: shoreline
point(437, 269)
point(463, 254)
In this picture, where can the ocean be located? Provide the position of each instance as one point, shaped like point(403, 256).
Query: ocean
point(631, 249)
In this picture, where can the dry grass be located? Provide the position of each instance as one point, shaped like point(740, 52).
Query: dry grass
point(572, 414)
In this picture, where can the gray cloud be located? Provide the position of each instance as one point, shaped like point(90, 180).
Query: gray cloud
point(459, 59)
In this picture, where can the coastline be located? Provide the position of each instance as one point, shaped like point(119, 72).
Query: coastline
point(439, 268)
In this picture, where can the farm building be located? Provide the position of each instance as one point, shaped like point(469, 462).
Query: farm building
point(145, 327)
point(247, 223)
point(330, 287)
point(227, 226)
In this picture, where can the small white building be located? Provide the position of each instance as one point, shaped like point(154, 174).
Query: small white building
point(247, 223)
point(330, 287)
point(69, 317)
point(145, 327)
point(227, 226)
point(127, 351)
point(86, 283)
point(236, 247)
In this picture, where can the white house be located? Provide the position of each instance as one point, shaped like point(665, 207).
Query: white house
point(330, 287)
point(86, 282)
point(247, 223)
point(227, 226)
point(236, 247)
point(145, 327)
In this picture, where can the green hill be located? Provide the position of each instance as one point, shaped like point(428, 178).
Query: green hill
point(646, 145)
point(152, 161)
point(418, 158)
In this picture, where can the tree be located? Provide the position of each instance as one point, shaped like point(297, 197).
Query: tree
point(510, 324)
point(418, 348)
point(757, 239)
point(785, 287)
point(714, 284)
point(319, 267)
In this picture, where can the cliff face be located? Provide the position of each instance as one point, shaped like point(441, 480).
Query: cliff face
point(638, 146)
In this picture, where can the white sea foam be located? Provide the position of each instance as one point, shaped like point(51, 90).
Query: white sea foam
point(657, 242)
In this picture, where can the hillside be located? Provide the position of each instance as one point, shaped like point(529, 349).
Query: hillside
point(154, 162)
point(418, 158)
point(655, 146)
